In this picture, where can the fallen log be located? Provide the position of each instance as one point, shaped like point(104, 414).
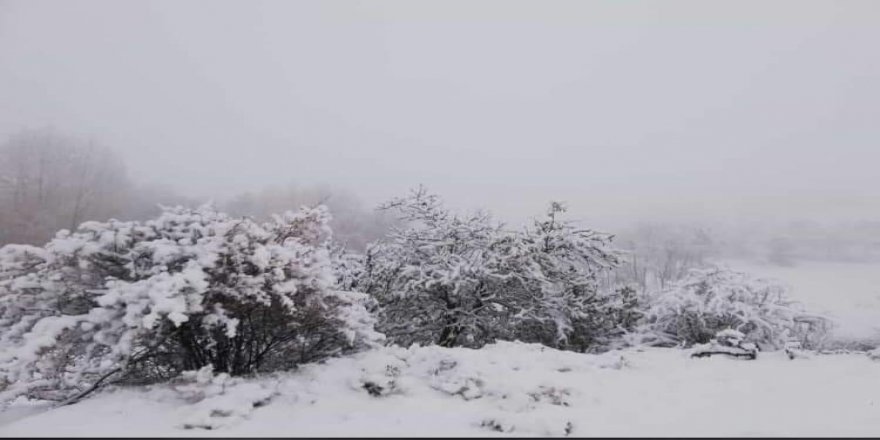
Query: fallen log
point(750, 355)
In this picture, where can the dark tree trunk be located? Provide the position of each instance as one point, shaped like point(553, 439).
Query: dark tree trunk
point(449, 335)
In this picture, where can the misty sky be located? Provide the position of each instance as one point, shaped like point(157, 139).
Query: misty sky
point(625, 109)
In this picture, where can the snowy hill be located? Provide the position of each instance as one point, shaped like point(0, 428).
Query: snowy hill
point(502, 389)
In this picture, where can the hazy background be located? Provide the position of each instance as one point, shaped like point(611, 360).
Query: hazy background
point(676, 110)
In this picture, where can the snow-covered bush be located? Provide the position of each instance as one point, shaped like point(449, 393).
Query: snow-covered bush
point(141, 302)
point(464, 281)
point(707, 301)
point(434, 278)
point(556, 267)
point(605, 321)
point(348, 267)
point(727, 342)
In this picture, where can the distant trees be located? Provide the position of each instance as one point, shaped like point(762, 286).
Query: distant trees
point(354, 226)
point(49, 182)
point(659, 254)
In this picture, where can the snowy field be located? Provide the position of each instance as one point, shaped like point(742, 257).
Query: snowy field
point(503, 389)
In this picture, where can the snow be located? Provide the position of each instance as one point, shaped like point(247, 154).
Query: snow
point(504, 389)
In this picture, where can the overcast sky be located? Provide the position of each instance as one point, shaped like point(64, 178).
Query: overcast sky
point(625, 109)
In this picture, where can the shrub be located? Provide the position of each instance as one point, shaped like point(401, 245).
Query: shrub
point(464, 281)
point(132, 302)
point(708, 301)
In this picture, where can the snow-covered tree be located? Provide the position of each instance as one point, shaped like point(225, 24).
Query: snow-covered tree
point(463, 280)
point(707, 301)
point(560, 271)
point(140, 302)
point(348, 267)
point(433, 276)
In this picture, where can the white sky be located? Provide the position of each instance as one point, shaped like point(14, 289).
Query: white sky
point(635, 109)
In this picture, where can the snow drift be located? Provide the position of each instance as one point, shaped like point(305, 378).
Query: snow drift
point(503, 389)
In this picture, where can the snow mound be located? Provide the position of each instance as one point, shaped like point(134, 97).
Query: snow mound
point(220, 400)
point(517, 382)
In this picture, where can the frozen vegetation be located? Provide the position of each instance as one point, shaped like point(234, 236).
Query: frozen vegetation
point(199, 323)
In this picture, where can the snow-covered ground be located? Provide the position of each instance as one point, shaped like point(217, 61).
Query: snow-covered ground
point(503, 389)
point(848, 293)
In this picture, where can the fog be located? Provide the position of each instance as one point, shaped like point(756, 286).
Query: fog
point(630, 111)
